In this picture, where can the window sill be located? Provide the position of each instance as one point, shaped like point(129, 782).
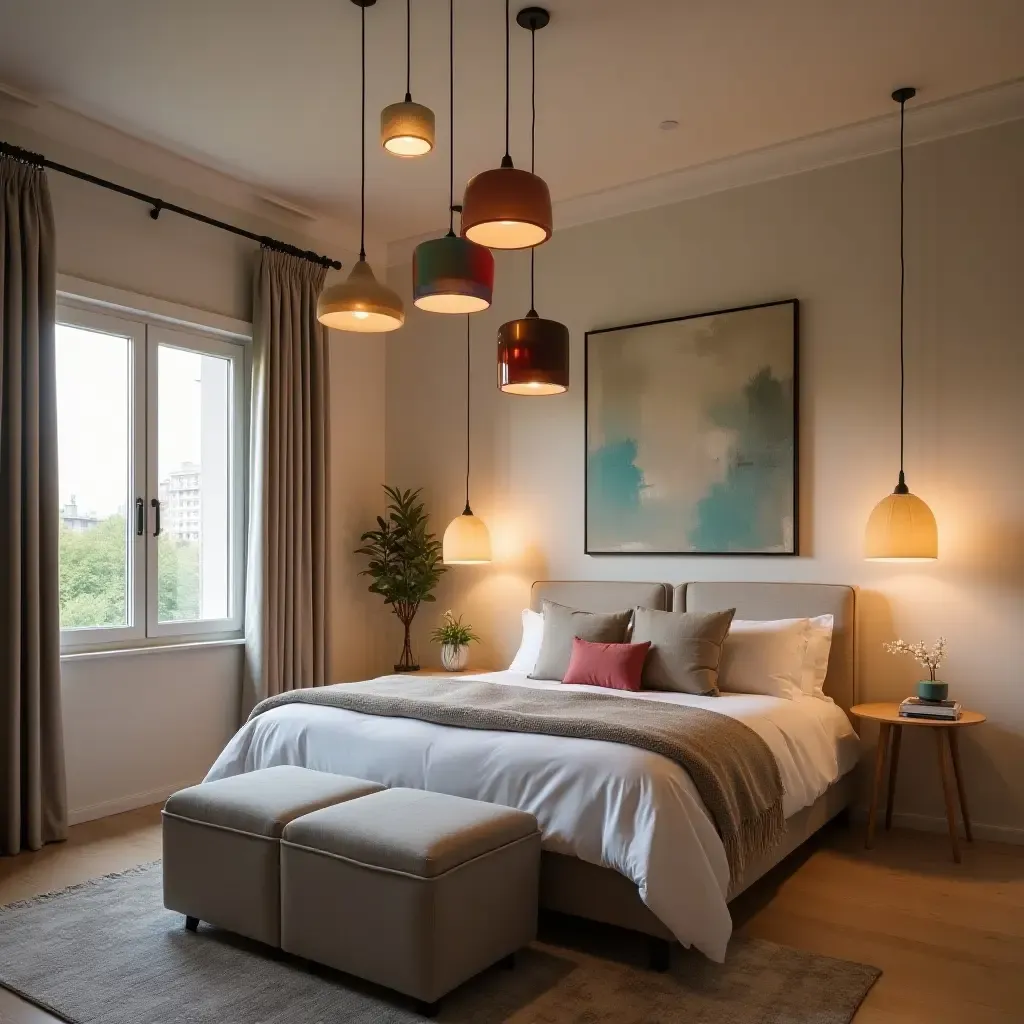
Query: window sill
point(161, 647)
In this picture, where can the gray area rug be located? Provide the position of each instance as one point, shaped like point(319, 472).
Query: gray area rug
point(106, 952)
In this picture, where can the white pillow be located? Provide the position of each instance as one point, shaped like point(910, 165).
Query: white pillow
point(816, 660)
point(765, 657)
point(529, 648)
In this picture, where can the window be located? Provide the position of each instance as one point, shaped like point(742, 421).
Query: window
point(151, 439)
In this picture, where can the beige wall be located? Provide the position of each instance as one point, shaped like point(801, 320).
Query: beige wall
point(138, 727)
point(829, 238)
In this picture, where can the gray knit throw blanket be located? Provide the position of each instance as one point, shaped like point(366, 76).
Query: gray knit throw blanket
point(733, 769)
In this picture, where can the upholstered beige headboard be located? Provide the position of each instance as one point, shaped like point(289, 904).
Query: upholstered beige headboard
point(787, 601)
point(601, 595)
point(751, 601)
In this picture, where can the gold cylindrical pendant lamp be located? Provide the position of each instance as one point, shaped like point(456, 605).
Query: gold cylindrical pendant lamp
point(407, 128)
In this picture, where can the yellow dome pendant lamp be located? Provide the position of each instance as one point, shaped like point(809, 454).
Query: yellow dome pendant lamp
point(466, 541)
point(407, 128)
point(901, 526)
point(507, 208)
point(452, 274)
point(533, 352)
point(361, 303)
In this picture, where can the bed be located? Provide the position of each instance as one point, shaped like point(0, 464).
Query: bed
point(627, 839)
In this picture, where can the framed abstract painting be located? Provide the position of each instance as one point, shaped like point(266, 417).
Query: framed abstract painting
point(692, 434)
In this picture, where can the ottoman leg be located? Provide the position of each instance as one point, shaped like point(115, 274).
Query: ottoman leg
point(191, 923)
point(428, 1009)
point(660, 954)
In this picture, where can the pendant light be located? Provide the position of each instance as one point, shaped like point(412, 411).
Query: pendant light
point(901, 525)
point(466, 541)
point(533, 353)
point(407, 128)
point(506, 208)
point(452, 274)
point(361, 303)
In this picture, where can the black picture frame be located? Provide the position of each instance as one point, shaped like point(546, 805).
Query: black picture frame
point(589, 335)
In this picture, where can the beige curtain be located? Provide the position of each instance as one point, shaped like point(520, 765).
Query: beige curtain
point(287, 607)
point(33, 808)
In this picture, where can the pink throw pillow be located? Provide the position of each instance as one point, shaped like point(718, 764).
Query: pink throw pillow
point(616, 666)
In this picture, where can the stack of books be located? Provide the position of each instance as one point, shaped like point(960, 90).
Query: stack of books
point(946, 710)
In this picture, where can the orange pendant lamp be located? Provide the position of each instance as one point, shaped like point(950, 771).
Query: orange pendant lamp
point(533, 352)
point(361, 303)
point(901, 526)
point(508, 208)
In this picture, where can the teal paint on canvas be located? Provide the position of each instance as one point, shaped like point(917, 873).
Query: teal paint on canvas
point(691, 437)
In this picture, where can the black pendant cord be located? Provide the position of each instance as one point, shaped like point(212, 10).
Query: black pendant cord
point(362, 136)
point(451, 119)
point(506, 160)
point(408, 51)
point(468, 511)
point(533, 140)
point(902, 95)
point(157, 206)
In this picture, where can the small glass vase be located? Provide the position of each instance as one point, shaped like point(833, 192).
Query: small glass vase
point(932, 689)
point(454, 657)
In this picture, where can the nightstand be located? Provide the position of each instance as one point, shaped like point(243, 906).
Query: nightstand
point(890, 736)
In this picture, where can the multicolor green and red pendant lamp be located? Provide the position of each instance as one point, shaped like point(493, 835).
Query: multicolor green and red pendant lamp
point(452, 274)
point(533, 352)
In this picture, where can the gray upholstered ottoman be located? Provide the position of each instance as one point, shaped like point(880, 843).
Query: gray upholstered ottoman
point(412, 890)
point(222, 844)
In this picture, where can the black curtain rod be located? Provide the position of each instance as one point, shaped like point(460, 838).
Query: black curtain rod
point(157, 205)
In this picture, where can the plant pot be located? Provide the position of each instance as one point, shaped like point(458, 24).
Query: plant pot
point(454, 657)
point(932, 689)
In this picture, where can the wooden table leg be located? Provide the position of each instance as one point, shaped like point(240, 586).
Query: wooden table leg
point(947, 792)
point(884, 729)
point(894, 763)
point(954, 751)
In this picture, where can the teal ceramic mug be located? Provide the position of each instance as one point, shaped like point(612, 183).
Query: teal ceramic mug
point(931, 689)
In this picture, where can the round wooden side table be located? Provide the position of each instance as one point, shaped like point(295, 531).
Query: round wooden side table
point(890, 735)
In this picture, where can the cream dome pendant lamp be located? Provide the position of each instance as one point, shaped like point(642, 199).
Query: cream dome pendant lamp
point(407, 128)
point(901, 526)
point(361, 303)
point(466, 541)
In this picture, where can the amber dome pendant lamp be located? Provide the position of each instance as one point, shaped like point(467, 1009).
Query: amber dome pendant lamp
point(533, 353)
point(361, 303)
point(407, 128)
point(452, 274)
point(508, 208)
point(466, 541)
point(901, 526)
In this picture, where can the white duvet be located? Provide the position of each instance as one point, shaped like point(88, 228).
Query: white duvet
point(606, 803)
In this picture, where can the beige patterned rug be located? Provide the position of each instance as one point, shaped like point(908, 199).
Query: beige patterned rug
point(106, 952)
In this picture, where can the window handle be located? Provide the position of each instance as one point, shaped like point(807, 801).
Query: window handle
point(140, 517)
point(156, 508)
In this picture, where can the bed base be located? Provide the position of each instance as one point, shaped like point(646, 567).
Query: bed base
point(569, 885)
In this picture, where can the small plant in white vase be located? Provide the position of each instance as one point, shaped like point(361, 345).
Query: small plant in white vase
point(454, 639)
point(931, 657)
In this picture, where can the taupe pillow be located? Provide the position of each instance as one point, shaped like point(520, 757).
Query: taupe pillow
point(686, 649)
point(561, 624)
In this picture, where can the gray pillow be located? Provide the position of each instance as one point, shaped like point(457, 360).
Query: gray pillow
point(686, 649)
point(561, 624)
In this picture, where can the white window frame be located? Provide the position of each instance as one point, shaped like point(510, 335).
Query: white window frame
point(148, 323)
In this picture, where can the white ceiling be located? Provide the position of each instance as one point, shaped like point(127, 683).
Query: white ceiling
point(267, 90)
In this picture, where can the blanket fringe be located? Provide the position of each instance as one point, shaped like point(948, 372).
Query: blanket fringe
point(756, 837)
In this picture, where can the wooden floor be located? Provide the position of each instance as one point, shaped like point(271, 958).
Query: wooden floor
point(949, 939)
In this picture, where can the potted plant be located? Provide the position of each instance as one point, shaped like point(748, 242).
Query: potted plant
point(405, 561)
point(931, 658)
point(454, 639)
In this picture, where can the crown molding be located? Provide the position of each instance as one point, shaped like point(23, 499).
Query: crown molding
point(925, 123)
point(72, 138)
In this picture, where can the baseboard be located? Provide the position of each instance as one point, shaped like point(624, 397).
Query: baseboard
point(928, 823)
point(126, 803)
